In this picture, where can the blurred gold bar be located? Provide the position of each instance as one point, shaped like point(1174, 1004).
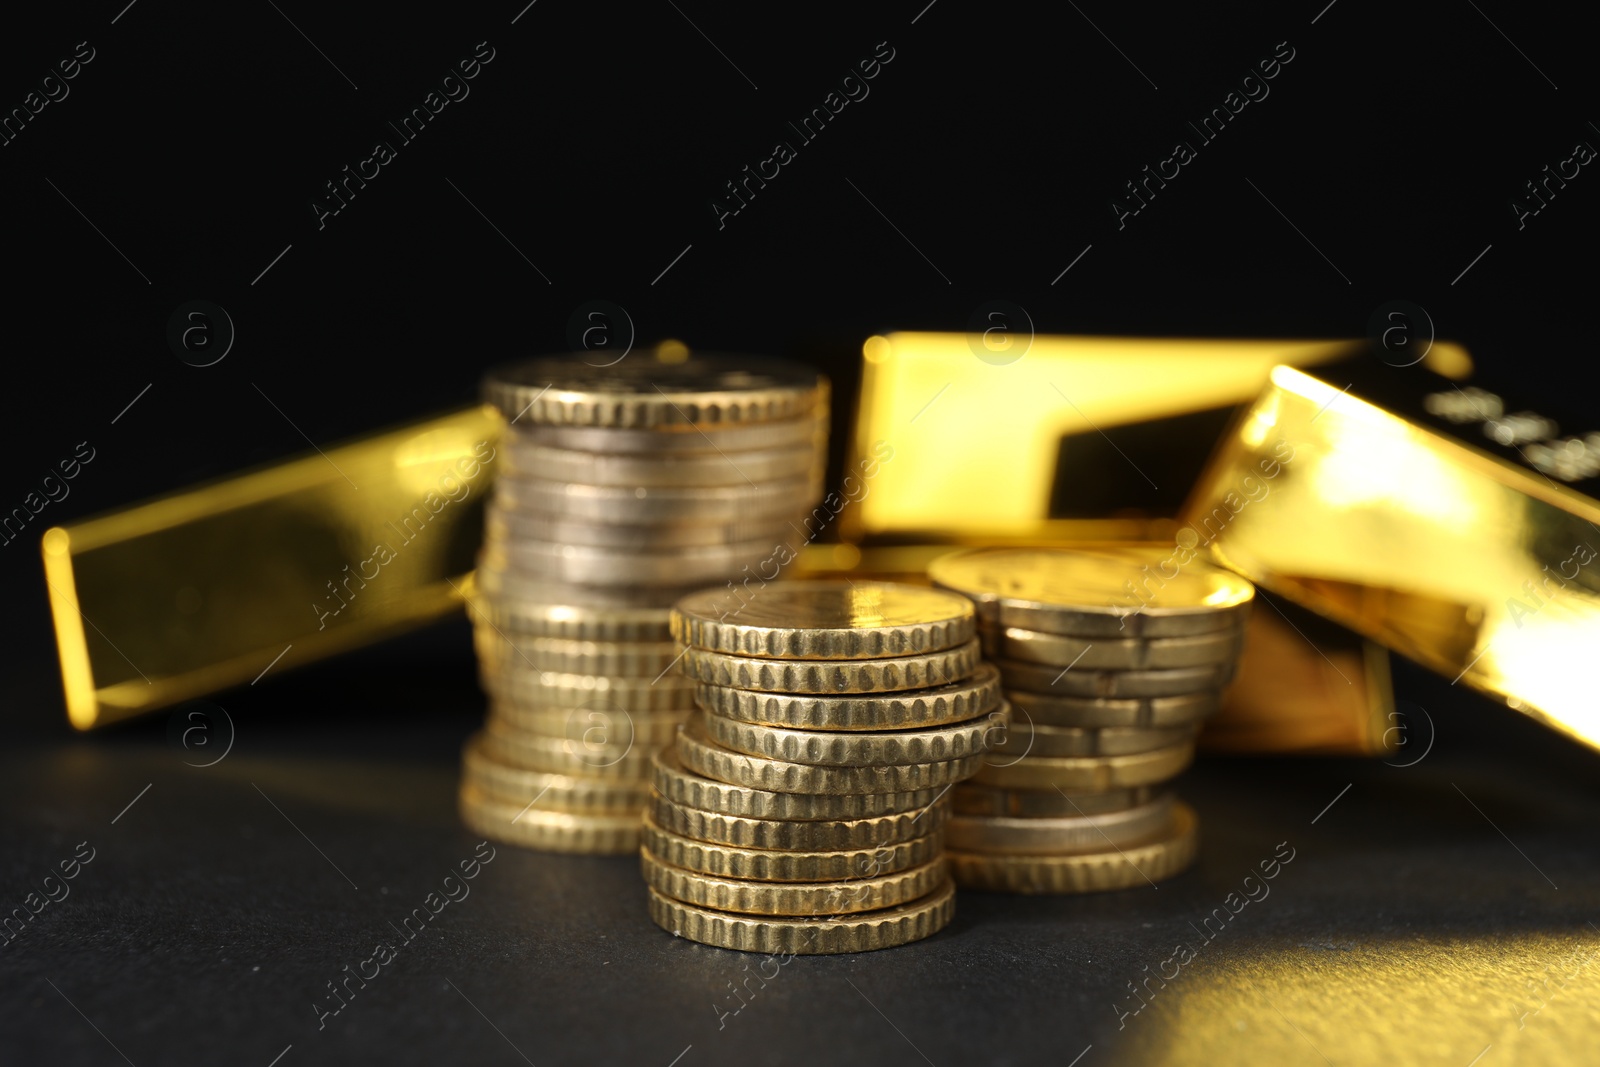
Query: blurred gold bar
point(1425, 517)
point(212, 586)
point(1052, 439)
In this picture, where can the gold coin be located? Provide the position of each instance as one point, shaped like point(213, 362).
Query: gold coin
point(634, 659)
point(701, 755)
point(791, 898)
point(1098, 590)
point(826, 748)
point(1061, 835)
point(662, 468)
point(1187, 709)
point(811, 428)
point(1084, 774)
point(795, 835)
point(832, 676)
point(825, 619)
point(967, 799)
point(682, 786)
point(1092, 872)
point(1118, 654)
point(532, 688)
point(591, 726)
point(1026, 738)
point(1051, 681)
point(771, 865)
point(555, 792)
point(550, 831)
point(938, 706)
point(562, 755)
point(648, 391)
point(807, 937)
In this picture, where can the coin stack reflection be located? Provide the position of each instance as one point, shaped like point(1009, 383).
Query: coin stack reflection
point(802, 810)
point(1111, 655)
point(621, 487)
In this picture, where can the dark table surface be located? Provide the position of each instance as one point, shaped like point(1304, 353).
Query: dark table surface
point(1429, 912)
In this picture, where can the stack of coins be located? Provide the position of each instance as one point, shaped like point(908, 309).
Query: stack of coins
point(1112, 656)
point(803, 810)
point(620, 489)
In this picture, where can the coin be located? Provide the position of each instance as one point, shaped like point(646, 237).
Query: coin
point(645, 391)
point(791, 898)
point(1098, 590)
point(636, 659)
point(502, 527)
point(807, 937)
point(586, 726)
point(1088, 873)
point(1084, 774)
point(1061, 835)
point(1090, 712)
point(659, 469)
point(826, 620)
point(573, 501)
point(553, 831)
point(561, 755)
point(832, 676)
point(675, 782)
point(771, 865)
point(1025, 738)
point(1101, 653)
point(796, 835)
point(555, 792)
point(826, 748)
point(534, 688)
point(811, 429)
point(570, 621)
point(509, 589)
point(621, 567)
point(969, 799)
point(700, 755)
point(1036, 678)
point(937, 706)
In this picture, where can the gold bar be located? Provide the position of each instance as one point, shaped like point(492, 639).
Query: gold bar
point(1439, 521)
point(211, 586)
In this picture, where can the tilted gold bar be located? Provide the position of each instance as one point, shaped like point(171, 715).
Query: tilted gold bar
point(211, 586)
point(1436, 520)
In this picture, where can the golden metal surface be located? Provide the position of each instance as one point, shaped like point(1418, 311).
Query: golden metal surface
point(928, 394)
point(212, 586)
point(1468, 563)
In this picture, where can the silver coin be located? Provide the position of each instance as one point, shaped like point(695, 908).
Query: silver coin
point(1101, 653)
point(1023, 737)
point(1036, 678)
point(969, 799)
point(619, 567)
point(627, 659)
point(1059, 835)
point(667, 469)
point(503, 526)
point(1093, 712)
point(508, 590)
point(810, 429)
point(593, 503)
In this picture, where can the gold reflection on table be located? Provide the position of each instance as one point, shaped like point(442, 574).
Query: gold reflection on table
point(1527, 998)
point(1485, 571)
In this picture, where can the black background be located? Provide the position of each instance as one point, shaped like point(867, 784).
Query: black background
point(983, 162)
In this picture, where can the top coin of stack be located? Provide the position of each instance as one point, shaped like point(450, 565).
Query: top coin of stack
point(1111, 655)
point(802, 811)
point(621, 487)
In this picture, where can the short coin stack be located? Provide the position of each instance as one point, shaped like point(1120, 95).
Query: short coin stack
point(803, 811)
point(620, 489)
point(1111, 656)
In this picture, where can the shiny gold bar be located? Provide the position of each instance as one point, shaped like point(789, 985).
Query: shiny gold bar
point(1439, 521)
point(212, 586)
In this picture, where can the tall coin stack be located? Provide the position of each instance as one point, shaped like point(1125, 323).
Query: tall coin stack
point(802, 811)
point(1111, 655)
point(621, 487)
